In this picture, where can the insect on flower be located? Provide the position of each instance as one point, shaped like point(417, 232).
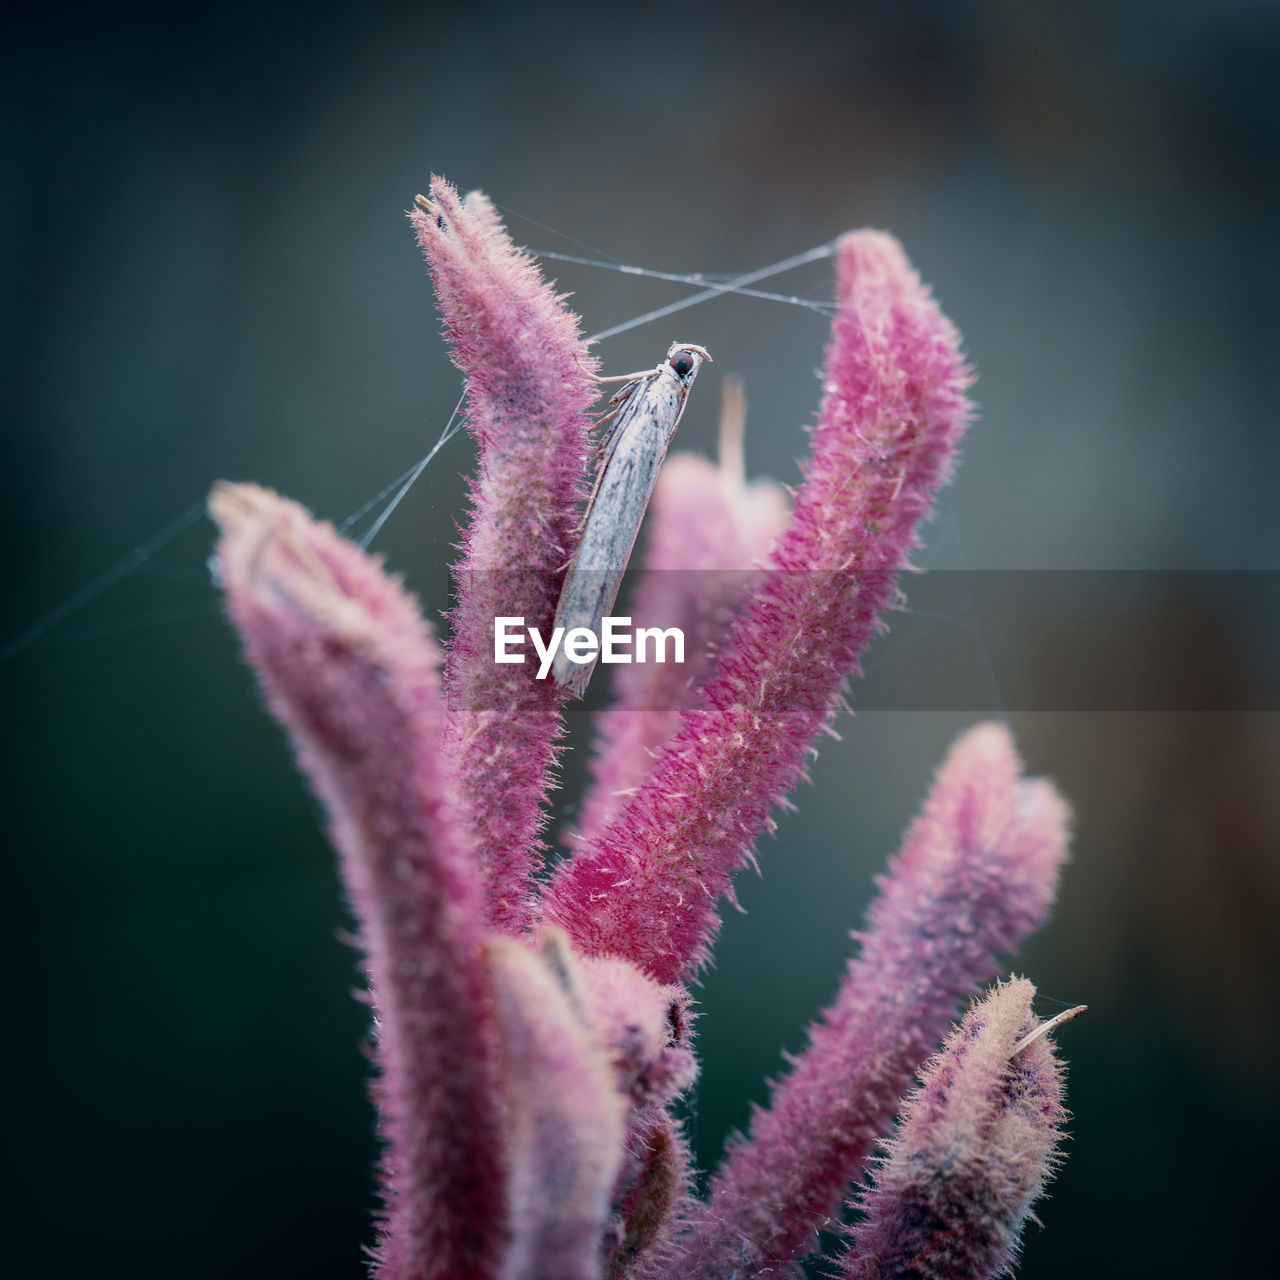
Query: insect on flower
point(648, 410)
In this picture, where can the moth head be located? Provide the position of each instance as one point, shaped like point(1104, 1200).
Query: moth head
point(684, 359)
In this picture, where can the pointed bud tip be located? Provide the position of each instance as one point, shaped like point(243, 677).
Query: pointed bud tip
point(230, 504)
point(272, 552)
point(1042, 808)
point(869, 259)
point(988, 746)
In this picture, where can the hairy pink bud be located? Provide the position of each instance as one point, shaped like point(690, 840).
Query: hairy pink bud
point(349, 669)
point(565, 1113)
point(529, 391)
point(976, 874)
point(892, 415)
point(972, 1153)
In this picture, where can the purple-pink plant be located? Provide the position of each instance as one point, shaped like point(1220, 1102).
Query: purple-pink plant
point(974, 1147)
point(976, 874)
point(532, 1041)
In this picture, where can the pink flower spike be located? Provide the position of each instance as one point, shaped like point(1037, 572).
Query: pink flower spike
point(976, 875)
point(975, 1147)
point(708, 531)
point(564, 1112)
point(529, 392)
point(892, 416)
point(350, 670)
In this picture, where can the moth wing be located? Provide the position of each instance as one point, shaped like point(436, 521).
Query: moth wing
point(629, 403)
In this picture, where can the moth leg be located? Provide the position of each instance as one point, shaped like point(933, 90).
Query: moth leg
point(605, 417)
point(618, 401)
point(620, 397)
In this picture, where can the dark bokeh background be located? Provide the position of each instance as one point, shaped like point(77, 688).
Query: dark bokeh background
point(208, 274)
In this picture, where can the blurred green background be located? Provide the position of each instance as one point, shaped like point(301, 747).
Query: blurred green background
point(207, 273)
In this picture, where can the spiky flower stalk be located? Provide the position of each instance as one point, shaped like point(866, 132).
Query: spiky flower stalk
point(975, 876)
point(975, 1147)
point(528, 392)
point(350, 669)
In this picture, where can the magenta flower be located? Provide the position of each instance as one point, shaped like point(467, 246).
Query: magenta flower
point(531, 1041)
point(529, 390)
point(976, 874)
point(975, 1146)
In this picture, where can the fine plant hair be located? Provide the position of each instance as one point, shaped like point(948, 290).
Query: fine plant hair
point(534, 1028)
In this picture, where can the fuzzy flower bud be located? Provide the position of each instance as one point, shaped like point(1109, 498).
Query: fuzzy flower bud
point(976, 874)
point(350, 670)
point(564, 1112)
point(529, 392)
point(974, 1149)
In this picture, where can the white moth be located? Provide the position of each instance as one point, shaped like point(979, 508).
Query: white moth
point(648, 411)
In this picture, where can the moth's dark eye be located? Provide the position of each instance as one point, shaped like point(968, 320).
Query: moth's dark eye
point(681, 362)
